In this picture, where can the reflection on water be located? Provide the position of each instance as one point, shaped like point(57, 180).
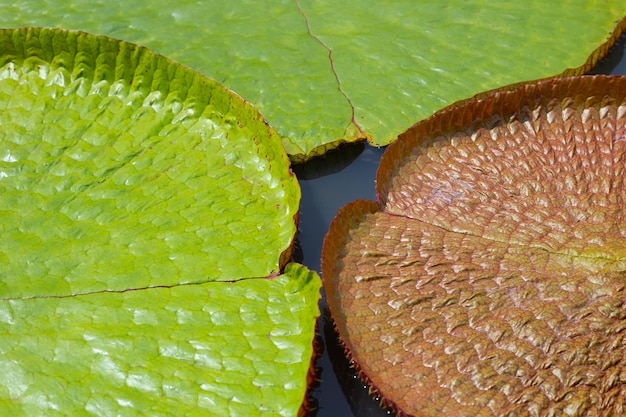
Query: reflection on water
point(361, 401)
point(328, 183)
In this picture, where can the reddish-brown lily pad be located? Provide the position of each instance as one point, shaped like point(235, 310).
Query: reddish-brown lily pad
point(490, 278)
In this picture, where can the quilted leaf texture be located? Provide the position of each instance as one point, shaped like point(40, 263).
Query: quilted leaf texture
point(146, 215)
point(489, 278)
point(216, 349)
point(325, 72)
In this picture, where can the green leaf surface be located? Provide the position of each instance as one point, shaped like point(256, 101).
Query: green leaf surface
point(116, 159)
point(324, 72)
point(142, 203)
point(489, 278)
point(214, 349)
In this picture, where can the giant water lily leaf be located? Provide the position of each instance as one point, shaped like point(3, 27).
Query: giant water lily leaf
point(324, 72)
point(489, 278)
point(213, 349)
point(145, 210)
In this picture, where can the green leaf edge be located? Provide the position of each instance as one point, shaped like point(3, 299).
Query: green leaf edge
point(62, 48)
point(358, 134)
point(306, 282)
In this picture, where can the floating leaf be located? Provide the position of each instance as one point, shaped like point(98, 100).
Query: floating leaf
point(489, 278)
point(143, 206)
point(211, 349)
point(325, 72)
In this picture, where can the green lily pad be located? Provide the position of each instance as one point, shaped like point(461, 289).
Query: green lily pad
point(324, 72)
point(212, 349)
point(147, 213)
point(489, 278)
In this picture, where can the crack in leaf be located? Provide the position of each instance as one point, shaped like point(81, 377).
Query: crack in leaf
point(153, 287)
point(361, 132)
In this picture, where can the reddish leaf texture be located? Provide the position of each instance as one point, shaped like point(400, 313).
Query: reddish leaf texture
point(489, 280)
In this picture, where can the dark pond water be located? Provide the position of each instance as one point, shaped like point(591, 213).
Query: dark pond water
point(327, 184)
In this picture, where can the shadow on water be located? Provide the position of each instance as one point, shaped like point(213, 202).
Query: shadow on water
point(357, 393)
point(329, 182)
point(614, 62)
point(332, 162)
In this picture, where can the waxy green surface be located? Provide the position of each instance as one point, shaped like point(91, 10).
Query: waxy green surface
point(214, 349)
point(122, 160)
point(324, 72)
point(146, 212)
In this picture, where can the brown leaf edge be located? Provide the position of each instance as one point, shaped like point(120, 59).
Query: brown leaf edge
point(488, 109)
point(348, 217)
